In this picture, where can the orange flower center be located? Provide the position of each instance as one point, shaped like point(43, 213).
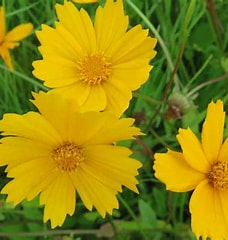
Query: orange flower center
point(67, 156)
point(218, 175)
point(94, 69)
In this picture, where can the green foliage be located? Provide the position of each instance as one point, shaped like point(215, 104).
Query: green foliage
point(191, 61)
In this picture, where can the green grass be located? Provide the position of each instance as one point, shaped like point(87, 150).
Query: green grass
point(191, 62)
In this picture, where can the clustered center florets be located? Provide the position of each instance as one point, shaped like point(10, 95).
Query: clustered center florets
point(95, 69)
point(67, 156)
point(218, 175)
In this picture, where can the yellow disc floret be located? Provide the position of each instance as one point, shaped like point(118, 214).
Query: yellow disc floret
point(218, 175)
point(67, 156)
point(95, 69)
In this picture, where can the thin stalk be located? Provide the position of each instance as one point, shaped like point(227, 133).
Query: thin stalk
point(216, 24)
point(146, 98)
point(132, 214)
point(27, 79)
point(204, 84)
point(199, 71)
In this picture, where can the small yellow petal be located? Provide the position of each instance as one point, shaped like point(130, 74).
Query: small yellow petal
point(223, 153)
point(172, 169)
point(18, 33)
point(4, 53)
point(192, 150)
point(212, 132)
point(2, 23)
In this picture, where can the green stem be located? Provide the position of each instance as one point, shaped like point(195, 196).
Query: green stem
point(199, 72)
point(146, 98)
point(28, 79)
point(50, 233)
point(132, 214)
point(215, 24)
point(218, 79)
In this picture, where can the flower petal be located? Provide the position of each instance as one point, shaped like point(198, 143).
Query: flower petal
point(4, 53)
point(207, 211)
point(16, 150)
point(89, 128)
point(172, 169)
point(52, 42)
point(54, 104)
point(83, 126)
point(223, 153)
point(31, 178)
point(62, 62)
point(79, 24)
point(111, 166)
point(2, 23)
point(212, 132)
point(30, 125)
point(135, 44)
point(75, 91)
point(19, 32)
point(116, 130)
point(96, 100)
point(192, 150)
point(110, 25)
point(118, 97)
point(59, 199)
point(94, 193)
point(59, 73)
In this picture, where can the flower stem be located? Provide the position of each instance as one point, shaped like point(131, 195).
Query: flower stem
point(28, 79)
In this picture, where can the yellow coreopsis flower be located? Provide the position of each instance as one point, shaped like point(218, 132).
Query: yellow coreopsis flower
point(10, 40)
point(202, 167)
point(61, 151)
point(98, 64)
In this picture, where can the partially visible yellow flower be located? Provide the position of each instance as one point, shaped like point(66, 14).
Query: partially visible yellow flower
point(202, 167)
point(10, 40)
point(97, 63)
point(85, 1)
point(60, 151)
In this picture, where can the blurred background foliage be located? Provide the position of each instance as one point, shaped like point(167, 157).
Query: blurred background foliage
point(190, 70)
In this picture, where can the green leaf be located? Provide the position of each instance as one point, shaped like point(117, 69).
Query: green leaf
point(147, 214)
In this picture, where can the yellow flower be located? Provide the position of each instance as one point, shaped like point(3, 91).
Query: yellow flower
point(10, 40)
point(202, 167)
point(99, 64)
point(85, 1)
point(60, 150)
